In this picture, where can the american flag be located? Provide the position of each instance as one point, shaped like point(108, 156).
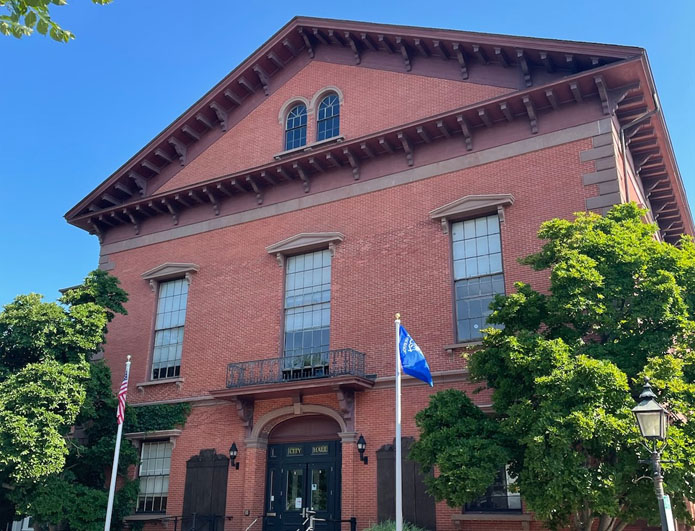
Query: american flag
point(120, 412)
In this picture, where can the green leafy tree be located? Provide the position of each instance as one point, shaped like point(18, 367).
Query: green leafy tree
point(23, 16)
point(566, 368)
point(75, 499)
point(45, 350)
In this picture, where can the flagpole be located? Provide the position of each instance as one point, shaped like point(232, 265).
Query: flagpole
point(114, 470)
point(399, 483)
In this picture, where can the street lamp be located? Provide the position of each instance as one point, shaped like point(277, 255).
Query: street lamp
point(652, 419)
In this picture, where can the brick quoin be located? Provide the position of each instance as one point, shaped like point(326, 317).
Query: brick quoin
point(393, 257)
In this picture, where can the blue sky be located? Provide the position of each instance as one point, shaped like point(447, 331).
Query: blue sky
point(73, 113)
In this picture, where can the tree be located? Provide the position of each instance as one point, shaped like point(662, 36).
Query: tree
point(25, 15)
point(566, 367)
point(75, 498)
point(45, 350)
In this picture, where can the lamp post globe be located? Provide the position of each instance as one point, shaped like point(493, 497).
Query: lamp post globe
point(651, 416)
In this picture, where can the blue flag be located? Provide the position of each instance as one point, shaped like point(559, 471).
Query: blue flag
point(412, 359)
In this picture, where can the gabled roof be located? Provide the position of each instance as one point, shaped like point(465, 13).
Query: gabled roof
point(126, 197)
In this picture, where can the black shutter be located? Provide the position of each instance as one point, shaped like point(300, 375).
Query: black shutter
point(418, 506)
point(205, 491)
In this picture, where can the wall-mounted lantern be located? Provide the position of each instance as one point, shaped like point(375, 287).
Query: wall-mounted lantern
point(361, 447)
point(233, 452)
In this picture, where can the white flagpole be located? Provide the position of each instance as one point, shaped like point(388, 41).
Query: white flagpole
point(399, 483)
point(114, 470)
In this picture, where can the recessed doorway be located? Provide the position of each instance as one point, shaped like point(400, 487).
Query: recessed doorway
point(303, 473)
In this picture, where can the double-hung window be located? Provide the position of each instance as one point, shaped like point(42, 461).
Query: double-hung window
point(155, 462)
point(498, 497)
point(168, 336)
point(478, 273)
point(307, 309)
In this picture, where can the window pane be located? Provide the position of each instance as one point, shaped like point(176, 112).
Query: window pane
point(481, 245)
point(463, 327)
point(493, 224)
point(471, 267)
point(469, 229)
point(459, 250)
point(295, 490)
point(496, 263)
point(493, 242)
point(457, 231)
point(481, 226)
point(483, 265)
point(319, 490)
point(459, 269)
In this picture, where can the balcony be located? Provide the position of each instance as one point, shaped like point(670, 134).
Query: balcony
point(299, 374)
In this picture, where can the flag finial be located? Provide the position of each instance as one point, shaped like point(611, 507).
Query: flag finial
point(398, 316)
point(128, 357)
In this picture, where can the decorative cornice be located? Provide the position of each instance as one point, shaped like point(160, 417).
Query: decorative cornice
point(211, 114)
point(313, 161)
point(169, 270)
point(471, 205)
point(151, 435)
point(602, 84)
point(305, 242)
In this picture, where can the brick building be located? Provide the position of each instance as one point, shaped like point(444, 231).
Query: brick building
point(346, 171)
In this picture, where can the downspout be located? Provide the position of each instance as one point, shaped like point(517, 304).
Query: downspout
point(623, 144)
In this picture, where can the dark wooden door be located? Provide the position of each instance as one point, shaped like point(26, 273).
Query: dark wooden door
point(205, 491)
point(418, 505)
point(303, 476)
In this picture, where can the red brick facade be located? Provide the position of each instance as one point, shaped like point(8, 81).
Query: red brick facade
point(393, 256)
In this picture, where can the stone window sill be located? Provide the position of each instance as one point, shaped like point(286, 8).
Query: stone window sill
point(309, 147)
point(458, 346)
point(492, 517)
point(142, 385)
point(143, 517)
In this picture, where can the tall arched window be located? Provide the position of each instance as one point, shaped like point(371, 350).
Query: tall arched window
point(328, 121)
point(295, 127)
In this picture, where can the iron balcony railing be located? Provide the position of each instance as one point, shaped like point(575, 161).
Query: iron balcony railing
point(329, 364)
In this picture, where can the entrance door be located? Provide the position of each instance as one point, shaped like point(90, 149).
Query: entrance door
point(302, 476)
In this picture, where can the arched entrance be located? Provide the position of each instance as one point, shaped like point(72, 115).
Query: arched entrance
point(303, 473)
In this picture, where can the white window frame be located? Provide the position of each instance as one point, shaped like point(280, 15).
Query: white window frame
point(316, 310)
point(164, 327)
point(168, 271)
point(467, 269)
point(162, 494)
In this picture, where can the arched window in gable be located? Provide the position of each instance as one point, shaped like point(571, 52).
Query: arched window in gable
point(295, 127)
point(328, 118)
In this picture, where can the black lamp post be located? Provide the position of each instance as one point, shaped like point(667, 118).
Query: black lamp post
point(233, 452)
point(361, 447)
point(652, 419)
